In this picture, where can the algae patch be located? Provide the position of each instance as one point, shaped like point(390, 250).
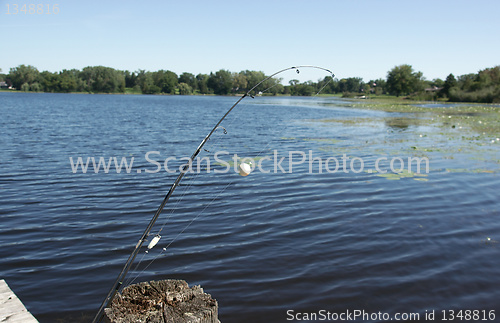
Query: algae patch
point(402, 174)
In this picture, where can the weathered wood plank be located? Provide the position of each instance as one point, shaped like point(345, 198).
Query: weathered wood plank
point(11, 308)
point(165, 301)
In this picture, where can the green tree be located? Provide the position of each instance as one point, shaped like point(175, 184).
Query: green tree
point(189, 79)
point(69, 81)
point(450, 82)
point(130, 79)
point(351, 85)
point(326, 85)
point(165, 80)
point(488, 77)
point(146, 83)
point(49, 81)
point(301, 89)
point(483, 87)
point(378, 86)
point(437, 83)
point(185, 89)
point(272, 86)
point(221, 82)
point(402, 80)
point(305, 89)
point(201, 81)
point(240, 82)
point(25, 87)
point(23, 74)
point(466, 82)
point(253, 78)
point(36, 87)
point(101, 79)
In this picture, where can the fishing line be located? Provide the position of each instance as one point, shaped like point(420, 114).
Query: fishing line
point(322, 88)
point(186, 189)
point(118, 283)
point(164, 249)
point(262, 92)
point(216, 142)
point(191, 181)
point(284, 126)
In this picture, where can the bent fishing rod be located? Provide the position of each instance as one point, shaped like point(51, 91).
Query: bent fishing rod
point(123, 273)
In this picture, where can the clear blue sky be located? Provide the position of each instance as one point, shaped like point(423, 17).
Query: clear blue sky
point(352, 38)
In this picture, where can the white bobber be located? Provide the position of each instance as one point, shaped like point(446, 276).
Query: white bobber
point(244, 169)
point(154, 241)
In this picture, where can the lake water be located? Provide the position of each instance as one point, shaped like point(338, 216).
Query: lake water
point(261, 245)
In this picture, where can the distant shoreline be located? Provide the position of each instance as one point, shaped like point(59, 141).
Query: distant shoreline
point(375, 98)
point(168, 94)
point(401, 82)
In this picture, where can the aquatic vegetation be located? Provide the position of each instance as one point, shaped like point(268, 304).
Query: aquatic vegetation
point(326, 140)
point(402, 174)
point(323, 140)
point(465, 170)
point(360, 121)
point(441, 132)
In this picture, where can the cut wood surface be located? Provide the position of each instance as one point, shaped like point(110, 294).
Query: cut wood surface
point(165, 301)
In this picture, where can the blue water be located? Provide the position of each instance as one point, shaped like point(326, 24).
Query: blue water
point(261, 244)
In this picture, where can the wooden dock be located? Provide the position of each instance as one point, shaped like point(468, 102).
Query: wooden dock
point(11, 308)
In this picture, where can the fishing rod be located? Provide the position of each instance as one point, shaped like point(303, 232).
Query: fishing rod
point(123, 273)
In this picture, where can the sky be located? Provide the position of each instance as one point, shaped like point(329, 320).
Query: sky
point(352, 38)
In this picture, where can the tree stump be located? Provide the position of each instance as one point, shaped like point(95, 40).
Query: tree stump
point(164, 301)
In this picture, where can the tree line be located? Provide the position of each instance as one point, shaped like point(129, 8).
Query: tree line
point(401, 80)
